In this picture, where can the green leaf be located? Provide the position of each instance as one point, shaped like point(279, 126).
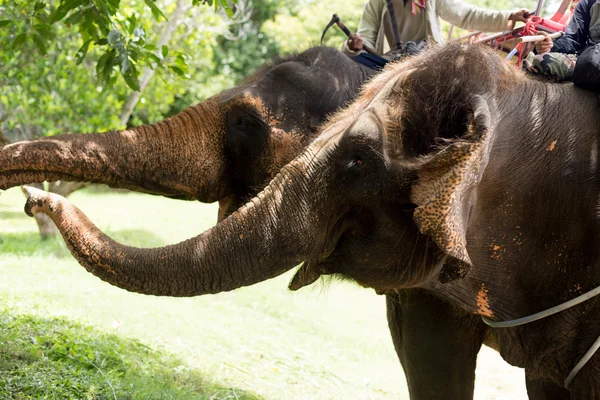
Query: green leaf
point(19, 40)
point(155, 10)
point(44, 30)
point(226, 7)
point(125, 65)
point(131, 78)
point(177, 70)
point(64, 9)
point(5, 22)
point(154, 58)
point(75, 18)
point(39, 5)
point(113, 4)
point(165, 51)
point(39, 42)
point(82, 52)
point(90, 28)
point(105, 65)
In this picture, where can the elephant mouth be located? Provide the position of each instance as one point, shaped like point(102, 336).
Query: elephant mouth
point(331, 255)
point(341, 255)
point(225, 207)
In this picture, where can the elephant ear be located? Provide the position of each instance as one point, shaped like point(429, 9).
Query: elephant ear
point(442, 193)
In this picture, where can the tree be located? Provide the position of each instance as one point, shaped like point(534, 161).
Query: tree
point(56, 92)
point(109, 26)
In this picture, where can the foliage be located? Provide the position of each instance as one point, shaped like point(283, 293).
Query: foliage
point(300, 27)
point(54, 93)
point(57, 92)
point(116, 30)
point(238, 58)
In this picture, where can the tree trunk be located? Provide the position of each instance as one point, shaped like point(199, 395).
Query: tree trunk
point(46, 227)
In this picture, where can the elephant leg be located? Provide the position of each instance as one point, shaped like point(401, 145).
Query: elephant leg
point(437, 345)
point(545, 389)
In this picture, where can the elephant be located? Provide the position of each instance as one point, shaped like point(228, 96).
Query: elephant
point(451, 173)
point(223, 149)
point(239, 160)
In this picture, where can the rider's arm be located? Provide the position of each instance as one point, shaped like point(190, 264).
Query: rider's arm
point(369, 25)
point(576, 35)
point(467, 16)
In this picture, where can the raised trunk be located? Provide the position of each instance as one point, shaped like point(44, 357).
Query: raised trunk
point(179, 157)
point(263, 239)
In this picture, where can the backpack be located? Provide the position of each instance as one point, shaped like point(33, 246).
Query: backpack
point(586, 74)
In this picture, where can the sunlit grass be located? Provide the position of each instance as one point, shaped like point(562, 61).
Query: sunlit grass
point(319, 343)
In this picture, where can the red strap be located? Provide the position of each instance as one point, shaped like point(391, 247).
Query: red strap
point(530, 29)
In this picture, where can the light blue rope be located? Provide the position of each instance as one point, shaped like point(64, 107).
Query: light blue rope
point(547, 313)
point(512, 53)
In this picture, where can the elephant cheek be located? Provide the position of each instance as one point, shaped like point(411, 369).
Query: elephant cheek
point(283, 147)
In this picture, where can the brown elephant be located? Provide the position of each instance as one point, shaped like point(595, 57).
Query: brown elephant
point(224, 149)
point(451, 173)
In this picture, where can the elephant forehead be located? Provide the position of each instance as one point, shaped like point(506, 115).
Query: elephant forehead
point(248, 99)
point(274, 112)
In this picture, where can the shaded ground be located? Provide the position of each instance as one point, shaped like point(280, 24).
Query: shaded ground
point(329, 341)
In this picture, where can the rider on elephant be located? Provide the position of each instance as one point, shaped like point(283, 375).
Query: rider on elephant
point(414, 23)
point(559, 58)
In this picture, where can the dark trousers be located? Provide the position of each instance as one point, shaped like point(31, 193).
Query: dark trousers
point(370, 60)
point(587, 70)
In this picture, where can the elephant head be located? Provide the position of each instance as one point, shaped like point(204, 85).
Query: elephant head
point(380, 196)
point(223, 149)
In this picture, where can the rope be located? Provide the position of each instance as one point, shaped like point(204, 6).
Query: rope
point(551, 311)
point(530, 29)
point(582, 362)
point(545, 313)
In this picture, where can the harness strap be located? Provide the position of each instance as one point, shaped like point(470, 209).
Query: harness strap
point(586, 357)
point(392, 14)
point(551, 311)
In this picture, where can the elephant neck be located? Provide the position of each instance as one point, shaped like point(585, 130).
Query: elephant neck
point(532, 231)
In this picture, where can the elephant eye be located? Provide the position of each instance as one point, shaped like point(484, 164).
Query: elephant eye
point(248, 121)
point(242, 122)
point(356, 162)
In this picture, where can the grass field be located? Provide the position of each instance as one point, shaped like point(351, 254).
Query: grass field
point(66, 334)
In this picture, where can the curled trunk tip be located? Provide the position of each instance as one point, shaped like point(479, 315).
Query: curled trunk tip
point(37, 200)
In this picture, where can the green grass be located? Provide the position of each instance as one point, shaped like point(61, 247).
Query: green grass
point(66, 334)
point(53, 358)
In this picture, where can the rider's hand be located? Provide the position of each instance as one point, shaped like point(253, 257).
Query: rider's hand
point(545, 45)
point(518, 16)
point(355, 42)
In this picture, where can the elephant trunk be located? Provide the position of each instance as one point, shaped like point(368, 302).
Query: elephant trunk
point(179, 157)
point(264, 238)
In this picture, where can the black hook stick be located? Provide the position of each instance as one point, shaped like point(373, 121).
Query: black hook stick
point(337, 21)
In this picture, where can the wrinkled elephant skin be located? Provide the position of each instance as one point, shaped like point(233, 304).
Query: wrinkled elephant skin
point(224, 149)
point(480, 191)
